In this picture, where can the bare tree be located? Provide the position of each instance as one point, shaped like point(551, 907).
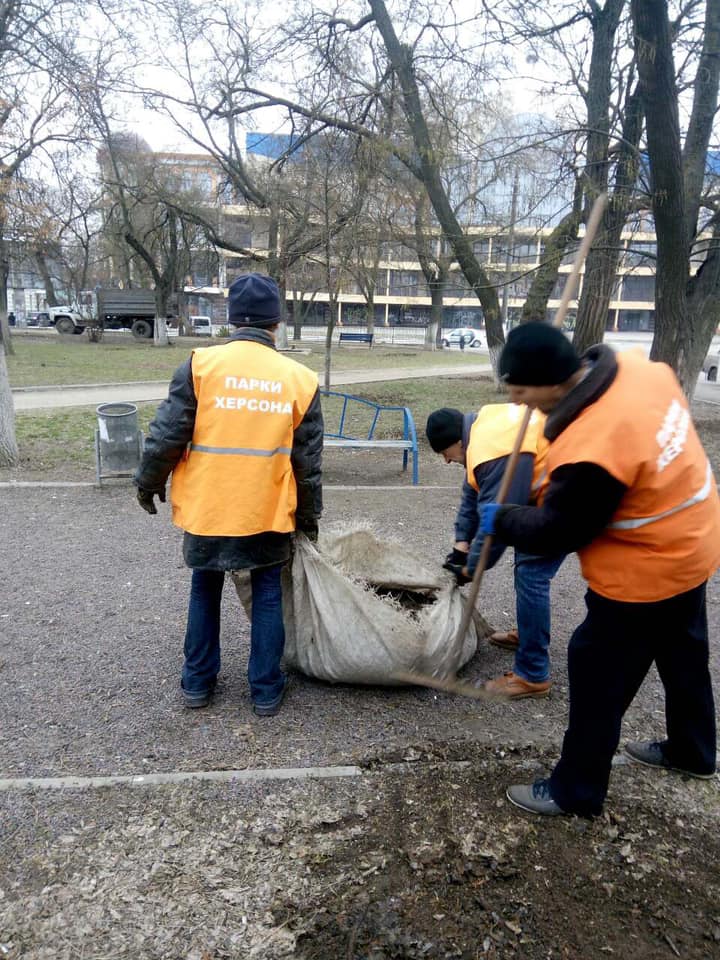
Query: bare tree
point(687, 304)
point(36, 39)
point(334, 94)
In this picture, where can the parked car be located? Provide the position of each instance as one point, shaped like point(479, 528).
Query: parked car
point(472, 337)
point(201, 326)
point(711, 365)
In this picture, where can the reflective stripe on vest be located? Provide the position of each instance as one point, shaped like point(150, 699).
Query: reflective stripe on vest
point(698, 497)
point(243, 451)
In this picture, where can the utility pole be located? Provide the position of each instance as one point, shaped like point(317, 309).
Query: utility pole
point(510, 244)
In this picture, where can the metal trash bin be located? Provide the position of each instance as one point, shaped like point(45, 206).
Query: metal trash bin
point(118, 441)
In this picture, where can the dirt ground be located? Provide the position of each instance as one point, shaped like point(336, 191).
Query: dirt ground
point(410, 851)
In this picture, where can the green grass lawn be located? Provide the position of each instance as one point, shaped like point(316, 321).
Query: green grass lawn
point(59, 444)
point(48, 361)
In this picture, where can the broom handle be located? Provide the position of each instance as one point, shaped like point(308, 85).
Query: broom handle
point(568, 293)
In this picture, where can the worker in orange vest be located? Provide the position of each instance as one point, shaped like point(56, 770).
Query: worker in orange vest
point(631, 490)
point(242, 434)
point(482, 442)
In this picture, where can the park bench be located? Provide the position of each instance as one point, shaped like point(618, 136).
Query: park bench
point(356, 338)
point(356, 421)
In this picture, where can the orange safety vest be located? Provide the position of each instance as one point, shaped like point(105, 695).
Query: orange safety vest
point(236, 478)
point(493, 435)
point(664, 538)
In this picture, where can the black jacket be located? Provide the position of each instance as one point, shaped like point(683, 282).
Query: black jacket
point(172, 430)
point(581, 498)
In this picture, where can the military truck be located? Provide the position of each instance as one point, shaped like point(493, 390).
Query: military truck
point(107, 308)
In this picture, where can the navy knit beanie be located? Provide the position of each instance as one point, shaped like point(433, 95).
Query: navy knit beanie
point(444, 427)
point(537, 354)
point(254, 301)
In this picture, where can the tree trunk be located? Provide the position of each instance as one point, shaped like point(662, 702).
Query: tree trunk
point(5, 337)
point(297, 316)
point(277, 271)
point(401, 60)
point(604, 256)
point(672, 341)
point(565, 233)
point(332, 316)
point(705, 101)
point(160, 334)
point(281, 337)
point(433, 332)
point(370, 310)
point(704, 309)
point(8, 444)
point(599, 276)
point(50, 297)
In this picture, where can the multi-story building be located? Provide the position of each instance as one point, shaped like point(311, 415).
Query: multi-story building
point(401, 296)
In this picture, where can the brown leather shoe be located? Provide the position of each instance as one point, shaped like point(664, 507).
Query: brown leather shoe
point(512, 687)
point(510, 640)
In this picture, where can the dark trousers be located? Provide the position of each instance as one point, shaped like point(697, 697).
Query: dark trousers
point(609, 656)
point(267, 633)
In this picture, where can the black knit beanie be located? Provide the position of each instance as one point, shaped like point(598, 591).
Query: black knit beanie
point(537, 354)
point(254, 301)
point(444, 427)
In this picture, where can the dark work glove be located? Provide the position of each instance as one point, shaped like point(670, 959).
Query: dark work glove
point(457, 556)
point(146, 499)
point(454, 562)
point(456, 569)
point(310, 530)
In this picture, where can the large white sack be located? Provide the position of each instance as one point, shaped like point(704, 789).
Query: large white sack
point(339, 629)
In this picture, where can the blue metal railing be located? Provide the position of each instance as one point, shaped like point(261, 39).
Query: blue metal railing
point(409, 432)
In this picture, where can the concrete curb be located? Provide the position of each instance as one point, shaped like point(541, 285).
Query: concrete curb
point(91, 386)
point(156, 779)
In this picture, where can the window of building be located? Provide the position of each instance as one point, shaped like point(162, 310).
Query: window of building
point(636, 320)
point(499, 250)
point(404, 283)
point(396, 252)
point(457, 285)
point(638, 289)
point(640, 253)
point(525, 252)
point(239, 231)
point(481, 249)
point(557, 291)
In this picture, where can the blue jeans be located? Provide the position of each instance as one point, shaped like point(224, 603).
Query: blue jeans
point(532, 604)
point(267, 633)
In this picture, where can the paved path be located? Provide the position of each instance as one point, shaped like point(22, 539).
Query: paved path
point(82, 395)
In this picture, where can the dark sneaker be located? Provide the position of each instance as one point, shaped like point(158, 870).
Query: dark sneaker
point(271, 707)
point(650, 752)
point(535, 798)
point(197, 698)
point(508, 640)
point(512, 687)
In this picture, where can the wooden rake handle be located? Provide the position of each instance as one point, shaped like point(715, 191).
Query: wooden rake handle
point(568, 293)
